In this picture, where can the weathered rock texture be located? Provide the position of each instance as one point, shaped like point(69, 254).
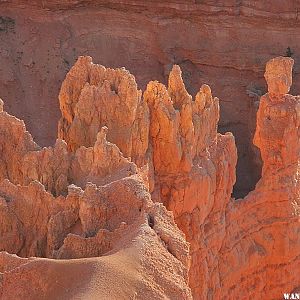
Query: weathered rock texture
point(55, 167)
point(112, 217)
point(194, 172)
point(93, 96)
point(86, 198)
point(222, 43)
point(194, 168)
point(266, 223)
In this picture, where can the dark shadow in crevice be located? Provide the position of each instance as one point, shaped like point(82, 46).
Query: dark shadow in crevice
point(248, 169)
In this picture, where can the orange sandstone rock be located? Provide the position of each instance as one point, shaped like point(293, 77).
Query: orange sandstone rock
point(93, 96)
point(88, 203)
point(260, 240)
point(55, 167)
point(194, 167)
point(240, 243)
point(86, 198)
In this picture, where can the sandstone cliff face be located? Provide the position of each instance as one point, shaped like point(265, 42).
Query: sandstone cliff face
point(73, 200)
point(224, 44)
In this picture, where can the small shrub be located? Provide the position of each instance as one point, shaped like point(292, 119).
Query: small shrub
point(7, 24)
point(66, 62)
point(289, 52)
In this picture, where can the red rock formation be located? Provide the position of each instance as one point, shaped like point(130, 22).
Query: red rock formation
point(194, 169)
point(222, 43)
point(194, 172)
point(55, 167)
point(72, 200)
point(113, 216)
point(250, 248)
point(92, 97)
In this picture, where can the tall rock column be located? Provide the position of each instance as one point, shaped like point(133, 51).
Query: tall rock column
point(260, 254)
point(194, 170)
point(278, 131)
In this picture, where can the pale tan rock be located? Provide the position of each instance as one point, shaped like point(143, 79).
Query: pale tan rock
point(93, 223)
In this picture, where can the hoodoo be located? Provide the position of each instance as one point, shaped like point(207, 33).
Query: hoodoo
point(136, 194)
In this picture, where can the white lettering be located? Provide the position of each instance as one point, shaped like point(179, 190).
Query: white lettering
point(293, 296)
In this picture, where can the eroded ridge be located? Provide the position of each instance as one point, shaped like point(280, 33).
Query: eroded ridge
point(90, 203)
point(190, 168)
point(87, 198)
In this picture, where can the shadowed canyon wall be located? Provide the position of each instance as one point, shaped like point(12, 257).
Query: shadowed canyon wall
point(221, 43)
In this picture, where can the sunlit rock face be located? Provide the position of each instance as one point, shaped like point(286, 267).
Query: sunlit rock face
point(90, 204)
point(267, 241)
point(278, 118)
point(124, 158)
point(194, 169)
point(93, 96)
point(278, 75)
point(239, 248)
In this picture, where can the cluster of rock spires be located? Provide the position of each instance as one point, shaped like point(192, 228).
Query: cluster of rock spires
point(122, 159)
